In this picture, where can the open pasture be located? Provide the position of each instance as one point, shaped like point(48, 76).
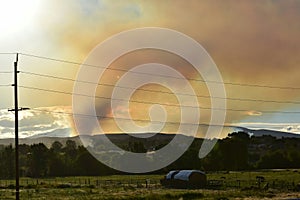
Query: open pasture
point(277, 184)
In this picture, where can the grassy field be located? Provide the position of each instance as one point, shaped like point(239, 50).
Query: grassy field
point(278, 184)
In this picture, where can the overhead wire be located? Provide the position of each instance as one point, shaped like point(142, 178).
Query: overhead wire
point(160, 75)
point(6, 72)
point(163, 92)
point(151, 103)
point(126, 119)
point(150, 90)
point(7, 53)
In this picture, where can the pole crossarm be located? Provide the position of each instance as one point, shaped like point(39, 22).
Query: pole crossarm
point(20, 109)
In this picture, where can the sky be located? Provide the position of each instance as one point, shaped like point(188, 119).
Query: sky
point(252, 42)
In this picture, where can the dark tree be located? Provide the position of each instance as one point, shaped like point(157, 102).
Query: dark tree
point(7, 164)
point(273, 160)
point(56, 147)
point(37, 160)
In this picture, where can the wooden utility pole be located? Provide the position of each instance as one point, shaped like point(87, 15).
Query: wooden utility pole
point(16, 126)
point(16, 110)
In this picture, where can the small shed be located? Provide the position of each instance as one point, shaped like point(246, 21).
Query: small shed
point(184, 179)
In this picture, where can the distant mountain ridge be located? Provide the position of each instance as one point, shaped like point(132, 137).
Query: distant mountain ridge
point(60, 133)
point(255, 132)
point(274, 133)
point(49, 138)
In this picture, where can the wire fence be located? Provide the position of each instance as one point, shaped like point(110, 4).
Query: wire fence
point(147, 183)
point(81, 182)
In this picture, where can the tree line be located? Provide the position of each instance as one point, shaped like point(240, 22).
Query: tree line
point(238, 151)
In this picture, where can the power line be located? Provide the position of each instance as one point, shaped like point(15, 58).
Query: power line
point(164, 76)
point(151, 103)
point(125, 119)
point(60, 78)
point(57, 60)
point(111, 69)
point(5, 72)
point(7, 53)
point(164, 92)
point(4, 109)
point(110, 85)
point(4, 85)
point(107, 98)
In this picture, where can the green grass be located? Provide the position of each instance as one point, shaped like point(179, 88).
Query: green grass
point(134, 187)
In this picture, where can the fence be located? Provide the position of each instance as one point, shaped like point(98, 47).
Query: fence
point(255, 184)
point(82, 182)
point(95, 182)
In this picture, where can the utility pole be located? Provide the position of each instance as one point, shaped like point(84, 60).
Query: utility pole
point(16, 110)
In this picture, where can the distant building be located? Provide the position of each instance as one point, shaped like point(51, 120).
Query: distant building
point(185, 179)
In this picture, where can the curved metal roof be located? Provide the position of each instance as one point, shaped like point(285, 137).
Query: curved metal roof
point(171, 174)
point(185, 174)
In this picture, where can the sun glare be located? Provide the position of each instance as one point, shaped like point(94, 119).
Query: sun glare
point(16, 14)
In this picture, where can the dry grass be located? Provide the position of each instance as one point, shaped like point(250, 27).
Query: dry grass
point(134, 187)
